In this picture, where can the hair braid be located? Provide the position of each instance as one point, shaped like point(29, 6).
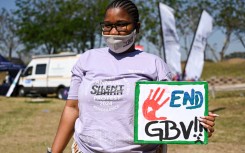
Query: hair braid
point(128, 6)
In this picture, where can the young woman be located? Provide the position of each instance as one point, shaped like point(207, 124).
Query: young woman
point(99, 112)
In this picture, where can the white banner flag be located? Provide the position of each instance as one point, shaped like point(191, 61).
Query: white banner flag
point(195, 62)
point(171, 40)
point(13, 85)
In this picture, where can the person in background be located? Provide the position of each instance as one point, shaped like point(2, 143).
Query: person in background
point(99, 111)
point(7, 79)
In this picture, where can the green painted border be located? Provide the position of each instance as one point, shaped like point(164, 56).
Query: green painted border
point(137, 93)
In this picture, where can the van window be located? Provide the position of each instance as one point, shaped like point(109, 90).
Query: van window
point(28, 71)
point(41, 69)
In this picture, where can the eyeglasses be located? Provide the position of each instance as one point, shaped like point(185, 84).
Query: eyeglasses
point(120, 27)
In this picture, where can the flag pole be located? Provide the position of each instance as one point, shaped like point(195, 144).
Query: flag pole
point(163, 45)
point(183, 73)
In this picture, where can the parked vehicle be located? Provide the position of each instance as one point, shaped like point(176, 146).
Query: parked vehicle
point(8, 72)
point(48, 74)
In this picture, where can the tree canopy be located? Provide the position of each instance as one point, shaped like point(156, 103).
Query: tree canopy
point(9, 42)
point(229, 17)
point(52, 26)
point(57, 25)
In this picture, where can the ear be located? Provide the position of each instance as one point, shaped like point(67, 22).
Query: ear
point(137, 27)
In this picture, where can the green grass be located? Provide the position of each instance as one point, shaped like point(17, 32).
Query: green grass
point(229, 129)
point(29, 126)
point(226, 68)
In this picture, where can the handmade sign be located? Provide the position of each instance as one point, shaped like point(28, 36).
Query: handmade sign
point(168, 112)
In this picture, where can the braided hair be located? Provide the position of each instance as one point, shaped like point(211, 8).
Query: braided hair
point(128, 6)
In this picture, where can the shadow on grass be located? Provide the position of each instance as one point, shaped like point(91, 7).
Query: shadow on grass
point(217, 109)
point(38, 101)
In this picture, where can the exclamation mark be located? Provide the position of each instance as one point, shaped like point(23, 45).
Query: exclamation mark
point(195, 126)
point(200, 127)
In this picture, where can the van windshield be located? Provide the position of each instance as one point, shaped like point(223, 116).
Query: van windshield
point(28, 71)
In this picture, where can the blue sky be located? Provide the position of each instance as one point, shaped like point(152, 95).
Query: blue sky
point(8, 4)
point(216, 37)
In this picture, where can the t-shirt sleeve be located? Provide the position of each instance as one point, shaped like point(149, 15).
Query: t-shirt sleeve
point(163, 71)
point(76, 79)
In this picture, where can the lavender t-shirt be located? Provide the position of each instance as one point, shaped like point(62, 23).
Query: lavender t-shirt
point(104, 83)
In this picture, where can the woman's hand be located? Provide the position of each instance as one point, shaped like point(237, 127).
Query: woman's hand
point(208, 122)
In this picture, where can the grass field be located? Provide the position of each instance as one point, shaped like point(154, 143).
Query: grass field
point(229, 129)
point(28, 125)
point(230, 68)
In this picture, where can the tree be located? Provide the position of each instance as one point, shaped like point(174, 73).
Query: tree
point(241, 37)
point(57, 25)
point(94, 14)
point(9, 42)
point(150, 20)
point(240, 23)
point(41, 25)
point(229, 17)
point(188, 22)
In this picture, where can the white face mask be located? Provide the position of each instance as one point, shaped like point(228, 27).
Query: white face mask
point(120, 43)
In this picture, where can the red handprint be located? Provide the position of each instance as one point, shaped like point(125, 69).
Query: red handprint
point(153, 105)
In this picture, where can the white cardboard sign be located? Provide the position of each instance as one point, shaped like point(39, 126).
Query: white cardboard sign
point(168, 112)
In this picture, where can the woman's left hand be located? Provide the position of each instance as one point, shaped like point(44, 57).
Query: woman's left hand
point(208, 122)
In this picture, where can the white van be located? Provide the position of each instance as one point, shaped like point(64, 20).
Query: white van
point(48, 74)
